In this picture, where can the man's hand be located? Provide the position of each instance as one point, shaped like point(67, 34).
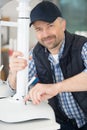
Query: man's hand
point(41, 92)
point(16, 63)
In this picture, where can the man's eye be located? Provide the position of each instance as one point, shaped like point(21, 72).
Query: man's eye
point(37, 30)
point(51, 25)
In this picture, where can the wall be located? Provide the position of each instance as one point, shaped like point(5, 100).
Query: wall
point(10, 10)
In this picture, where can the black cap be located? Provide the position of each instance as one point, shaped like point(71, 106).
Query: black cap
point(45, 11)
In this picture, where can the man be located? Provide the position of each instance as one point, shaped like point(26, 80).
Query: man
point(59, 60)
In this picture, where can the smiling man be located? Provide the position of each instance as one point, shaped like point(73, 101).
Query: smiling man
point(59, 60)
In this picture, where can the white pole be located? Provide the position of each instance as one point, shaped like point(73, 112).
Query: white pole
point(23, 45)
point(0, 48)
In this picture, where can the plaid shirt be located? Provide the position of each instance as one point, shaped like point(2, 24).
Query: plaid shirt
point(68, 104)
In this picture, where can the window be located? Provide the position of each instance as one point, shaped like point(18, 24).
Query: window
point(75, 13)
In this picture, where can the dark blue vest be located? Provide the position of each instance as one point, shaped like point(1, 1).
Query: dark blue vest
point(71, 64)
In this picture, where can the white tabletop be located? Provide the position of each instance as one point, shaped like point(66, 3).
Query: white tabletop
point(17, 116)
point(30, 125)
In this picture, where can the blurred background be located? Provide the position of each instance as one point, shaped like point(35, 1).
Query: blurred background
point(73, 11)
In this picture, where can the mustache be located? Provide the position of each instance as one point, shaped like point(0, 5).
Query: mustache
point(48, 37)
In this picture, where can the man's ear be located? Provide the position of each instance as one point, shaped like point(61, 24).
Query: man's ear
point(64, 24)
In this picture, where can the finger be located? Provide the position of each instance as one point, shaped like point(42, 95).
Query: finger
point(36, 98)
point(20, 62)
point(17, 53)
point(38, 95)
point(14, 58)
point(17, 64)
point(26, 98)
point(34, 95)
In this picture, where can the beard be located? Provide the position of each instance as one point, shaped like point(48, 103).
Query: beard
point(50, 42)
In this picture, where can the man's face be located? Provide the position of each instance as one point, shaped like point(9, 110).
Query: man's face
point(50, 35)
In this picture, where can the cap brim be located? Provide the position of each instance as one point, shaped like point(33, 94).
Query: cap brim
point(42, 19)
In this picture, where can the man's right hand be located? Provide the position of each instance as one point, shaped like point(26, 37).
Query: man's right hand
point(16, 63)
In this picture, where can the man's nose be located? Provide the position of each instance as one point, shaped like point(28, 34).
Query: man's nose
point(45, 33)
